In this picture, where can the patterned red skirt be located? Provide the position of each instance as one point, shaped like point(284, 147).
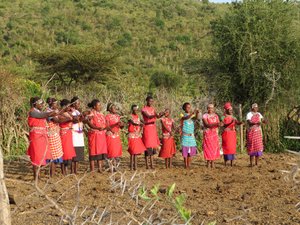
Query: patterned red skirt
point(211, 145)
point(55, 145)
point(254, 140)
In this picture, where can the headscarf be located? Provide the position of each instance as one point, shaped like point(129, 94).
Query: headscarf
point(109, 106)
point(254, 105)
point(227, 106)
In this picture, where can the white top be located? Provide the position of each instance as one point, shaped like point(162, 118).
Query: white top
point(250, 114)
point(78, 137)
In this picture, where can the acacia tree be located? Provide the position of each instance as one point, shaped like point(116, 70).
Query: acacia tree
point(75, 64)
point(255, 38)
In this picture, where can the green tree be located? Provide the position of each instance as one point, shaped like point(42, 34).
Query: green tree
point(254, 40)
point(258, 60)
point(76, 64)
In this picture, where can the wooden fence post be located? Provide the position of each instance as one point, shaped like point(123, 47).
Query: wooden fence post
point(241, 129)
point(5, 218)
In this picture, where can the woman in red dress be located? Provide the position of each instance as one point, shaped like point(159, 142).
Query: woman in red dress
point(96, 135)
point(114, 144)
point(135, 143)
point(211, 145)
point(66, 135)
point(150, 136)
point(38, 149)
point(229, 134)
point(168, 148)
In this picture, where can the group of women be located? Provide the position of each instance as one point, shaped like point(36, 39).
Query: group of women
point(57, 134)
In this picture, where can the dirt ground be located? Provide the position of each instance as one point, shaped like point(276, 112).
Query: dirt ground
point(238, 195)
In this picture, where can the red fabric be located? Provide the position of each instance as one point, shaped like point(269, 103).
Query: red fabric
point(133, 128)
point(38, 149)
point(229, 136)
point(96, 138)
point(168, 124)
point(211, 145)
point(136, 146)
point(114, 144)
point(135, 143)
point(150, 136)
point(254, 136)
point(227, 105)
point(151, 112)
point(67, 140)
point(168, 148)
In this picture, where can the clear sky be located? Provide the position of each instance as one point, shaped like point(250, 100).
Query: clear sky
point(221, 1)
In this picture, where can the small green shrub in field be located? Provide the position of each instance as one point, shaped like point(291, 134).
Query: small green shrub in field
point(176, 201)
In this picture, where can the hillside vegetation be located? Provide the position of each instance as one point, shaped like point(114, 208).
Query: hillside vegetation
point(121, 50)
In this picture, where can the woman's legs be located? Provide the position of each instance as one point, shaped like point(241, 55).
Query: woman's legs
point(256, 160)
point(135, 162)
point(75, 167)
point(151, 162)
point(92, 165)
point(185, 162)
point(146, 162)
point(189, 159)
point(99, 163)
point(251, 161)
point(131, 162)
point(52, 169)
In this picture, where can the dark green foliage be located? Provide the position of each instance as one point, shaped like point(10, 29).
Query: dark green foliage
point(258, 55)
point(76, 64)
point(125, 40)
point(254, 39)
point(165, 79)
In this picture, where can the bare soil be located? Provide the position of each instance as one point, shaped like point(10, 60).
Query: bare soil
point(232, 195)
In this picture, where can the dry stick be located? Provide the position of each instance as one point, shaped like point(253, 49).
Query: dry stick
point(273, 78)
point(102, 215)
point(74, 213)
point(130, 215)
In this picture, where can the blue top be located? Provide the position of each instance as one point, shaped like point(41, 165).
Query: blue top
point(188, 128)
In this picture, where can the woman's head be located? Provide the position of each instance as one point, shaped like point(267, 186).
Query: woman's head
point(36, 102)
point(228, 108)
point(65, 104)
point(210, 108)
point(75, 102)
point(254, 107)
point(52, 103)
point(167, 112)
point(95, 104)
point(186, 107)
point(111, 108)
point(134, 109)
point(149, 100)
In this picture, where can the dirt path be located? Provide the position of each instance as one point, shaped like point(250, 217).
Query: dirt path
point(238, 195)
